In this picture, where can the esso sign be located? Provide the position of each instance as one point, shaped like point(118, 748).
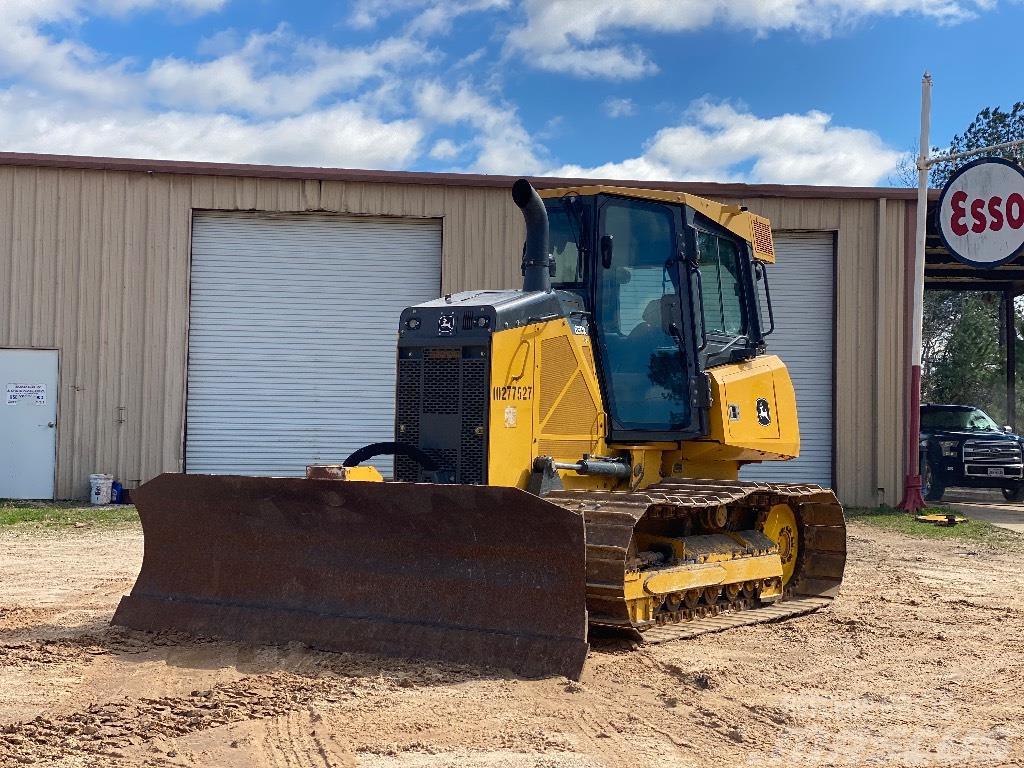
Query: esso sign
point(981, 212)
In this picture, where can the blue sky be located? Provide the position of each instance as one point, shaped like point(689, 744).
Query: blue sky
point(788, 91)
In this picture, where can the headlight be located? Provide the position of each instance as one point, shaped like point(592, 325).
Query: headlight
point(948, 447)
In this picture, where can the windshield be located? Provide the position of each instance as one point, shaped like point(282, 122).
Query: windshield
point(957, 420)
point(638, 304)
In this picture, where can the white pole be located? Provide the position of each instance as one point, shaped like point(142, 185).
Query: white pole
point(912, 499)
point(922, 219)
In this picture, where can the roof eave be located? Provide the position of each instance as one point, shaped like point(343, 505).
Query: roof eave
point(244, 170)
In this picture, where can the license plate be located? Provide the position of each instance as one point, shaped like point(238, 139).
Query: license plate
point(996, 471)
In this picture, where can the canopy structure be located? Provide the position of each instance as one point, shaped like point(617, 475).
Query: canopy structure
point(944, 272)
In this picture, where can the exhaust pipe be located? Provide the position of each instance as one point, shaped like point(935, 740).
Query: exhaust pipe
point(536, 251)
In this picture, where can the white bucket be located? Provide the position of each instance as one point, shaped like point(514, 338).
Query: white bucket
point(100, 488)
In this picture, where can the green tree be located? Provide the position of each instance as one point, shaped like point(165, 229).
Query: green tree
point(963, 354)
point(991, 126)
point(962, 359)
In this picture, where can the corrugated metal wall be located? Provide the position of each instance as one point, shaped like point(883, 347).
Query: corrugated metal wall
point(869, 347)
point(95, 264)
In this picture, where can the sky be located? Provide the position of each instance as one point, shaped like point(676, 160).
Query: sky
point(760, 91)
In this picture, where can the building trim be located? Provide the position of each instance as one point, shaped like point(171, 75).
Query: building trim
point(835, 358)
point(706, 189)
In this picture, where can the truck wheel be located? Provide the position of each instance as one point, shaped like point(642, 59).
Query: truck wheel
point(1014, 493)
point(931, 489)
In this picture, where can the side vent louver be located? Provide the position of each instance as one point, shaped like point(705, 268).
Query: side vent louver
point(763, 245)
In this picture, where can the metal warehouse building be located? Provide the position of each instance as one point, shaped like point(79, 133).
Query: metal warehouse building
point(228, 318)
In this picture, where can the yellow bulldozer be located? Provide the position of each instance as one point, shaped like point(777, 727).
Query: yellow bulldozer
point(566, 461)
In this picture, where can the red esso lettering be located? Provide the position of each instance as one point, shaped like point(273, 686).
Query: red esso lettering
point(956, 221)
point(1015, 211)
point(989, 214)
point(994, 211)
point(978, 214)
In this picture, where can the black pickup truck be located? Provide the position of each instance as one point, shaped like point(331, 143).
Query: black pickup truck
point(963, 447)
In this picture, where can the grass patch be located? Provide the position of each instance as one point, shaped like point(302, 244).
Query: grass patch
point(63, 514)
point(973, 530)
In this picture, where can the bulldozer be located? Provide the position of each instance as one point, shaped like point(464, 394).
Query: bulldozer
point(565, 463)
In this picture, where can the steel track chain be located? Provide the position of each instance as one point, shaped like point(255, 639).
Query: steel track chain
point(611, 517)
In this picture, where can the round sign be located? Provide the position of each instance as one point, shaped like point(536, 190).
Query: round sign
point(981, 212)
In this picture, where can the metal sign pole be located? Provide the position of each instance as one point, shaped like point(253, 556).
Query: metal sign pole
point(912, 499)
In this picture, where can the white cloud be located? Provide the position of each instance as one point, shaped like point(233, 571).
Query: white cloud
point(272, 97)
point(567, 35)
point(613, 62)
point(502, 144)
point(718, 142)
point(614, 107)
point(267, 73)
point(341, 135)
point(62, 10)
point(445, 149)
point(439, 15)
point(67, 66)
point(432, 16)
point(190, 6)
point(367, 13)
point(278, 73)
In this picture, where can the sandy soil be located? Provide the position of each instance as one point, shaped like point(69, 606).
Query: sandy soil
point(920, 662)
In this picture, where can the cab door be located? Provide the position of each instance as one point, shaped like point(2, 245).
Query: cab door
point(641, 337)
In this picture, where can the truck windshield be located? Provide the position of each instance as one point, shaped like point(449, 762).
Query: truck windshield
point(957, 419)
point(637, 303)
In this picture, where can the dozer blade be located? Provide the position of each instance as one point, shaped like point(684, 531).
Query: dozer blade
point(474, 574)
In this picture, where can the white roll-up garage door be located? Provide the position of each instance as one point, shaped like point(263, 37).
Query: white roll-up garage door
point(292, 333)
point(801, 284)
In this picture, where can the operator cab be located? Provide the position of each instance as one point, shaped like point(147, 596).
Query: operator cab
point(670, 293)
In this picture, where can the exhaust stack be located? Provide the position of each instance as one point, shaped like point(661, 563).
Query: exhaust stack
point(536, 251)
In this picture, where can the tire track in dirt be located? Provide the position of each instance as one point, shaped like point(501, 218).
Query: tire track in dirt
point(292, 741)
point(107, 731)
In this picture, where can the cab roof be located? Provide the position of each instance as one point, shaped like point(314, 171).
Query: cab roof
point(754, 229)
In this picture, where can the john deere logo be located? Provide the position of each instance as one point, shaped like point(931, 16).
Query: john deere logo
point(764, 413)
point(446, 324)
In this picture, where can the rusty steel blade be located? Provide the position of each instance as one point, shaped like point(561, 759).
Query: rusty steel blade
point(481, 575)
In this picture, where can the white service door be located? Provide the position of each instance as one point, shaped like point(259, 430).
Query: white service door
point(28, 423)
point(802, 285)
point(293, 328)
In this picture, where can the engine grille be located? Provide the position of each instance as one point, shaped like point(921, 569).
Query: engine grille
point(407, 415)
point(448, 388)
point(441, 381)
point(473, 430)
point(994, 452)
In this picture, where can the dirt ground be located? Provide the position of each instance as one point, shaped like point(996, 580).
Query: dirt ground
point(919, 662)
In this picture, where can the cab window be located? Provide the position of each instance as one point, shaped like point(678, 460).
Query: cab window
point(563, 236)
point(721, 282)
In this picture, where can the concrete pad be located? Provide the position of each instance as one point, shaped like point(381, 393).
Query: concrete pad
point(990, 506)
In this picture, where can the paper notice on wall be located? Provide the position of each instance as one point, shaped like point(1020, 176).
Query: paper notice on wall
point(30, 394)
